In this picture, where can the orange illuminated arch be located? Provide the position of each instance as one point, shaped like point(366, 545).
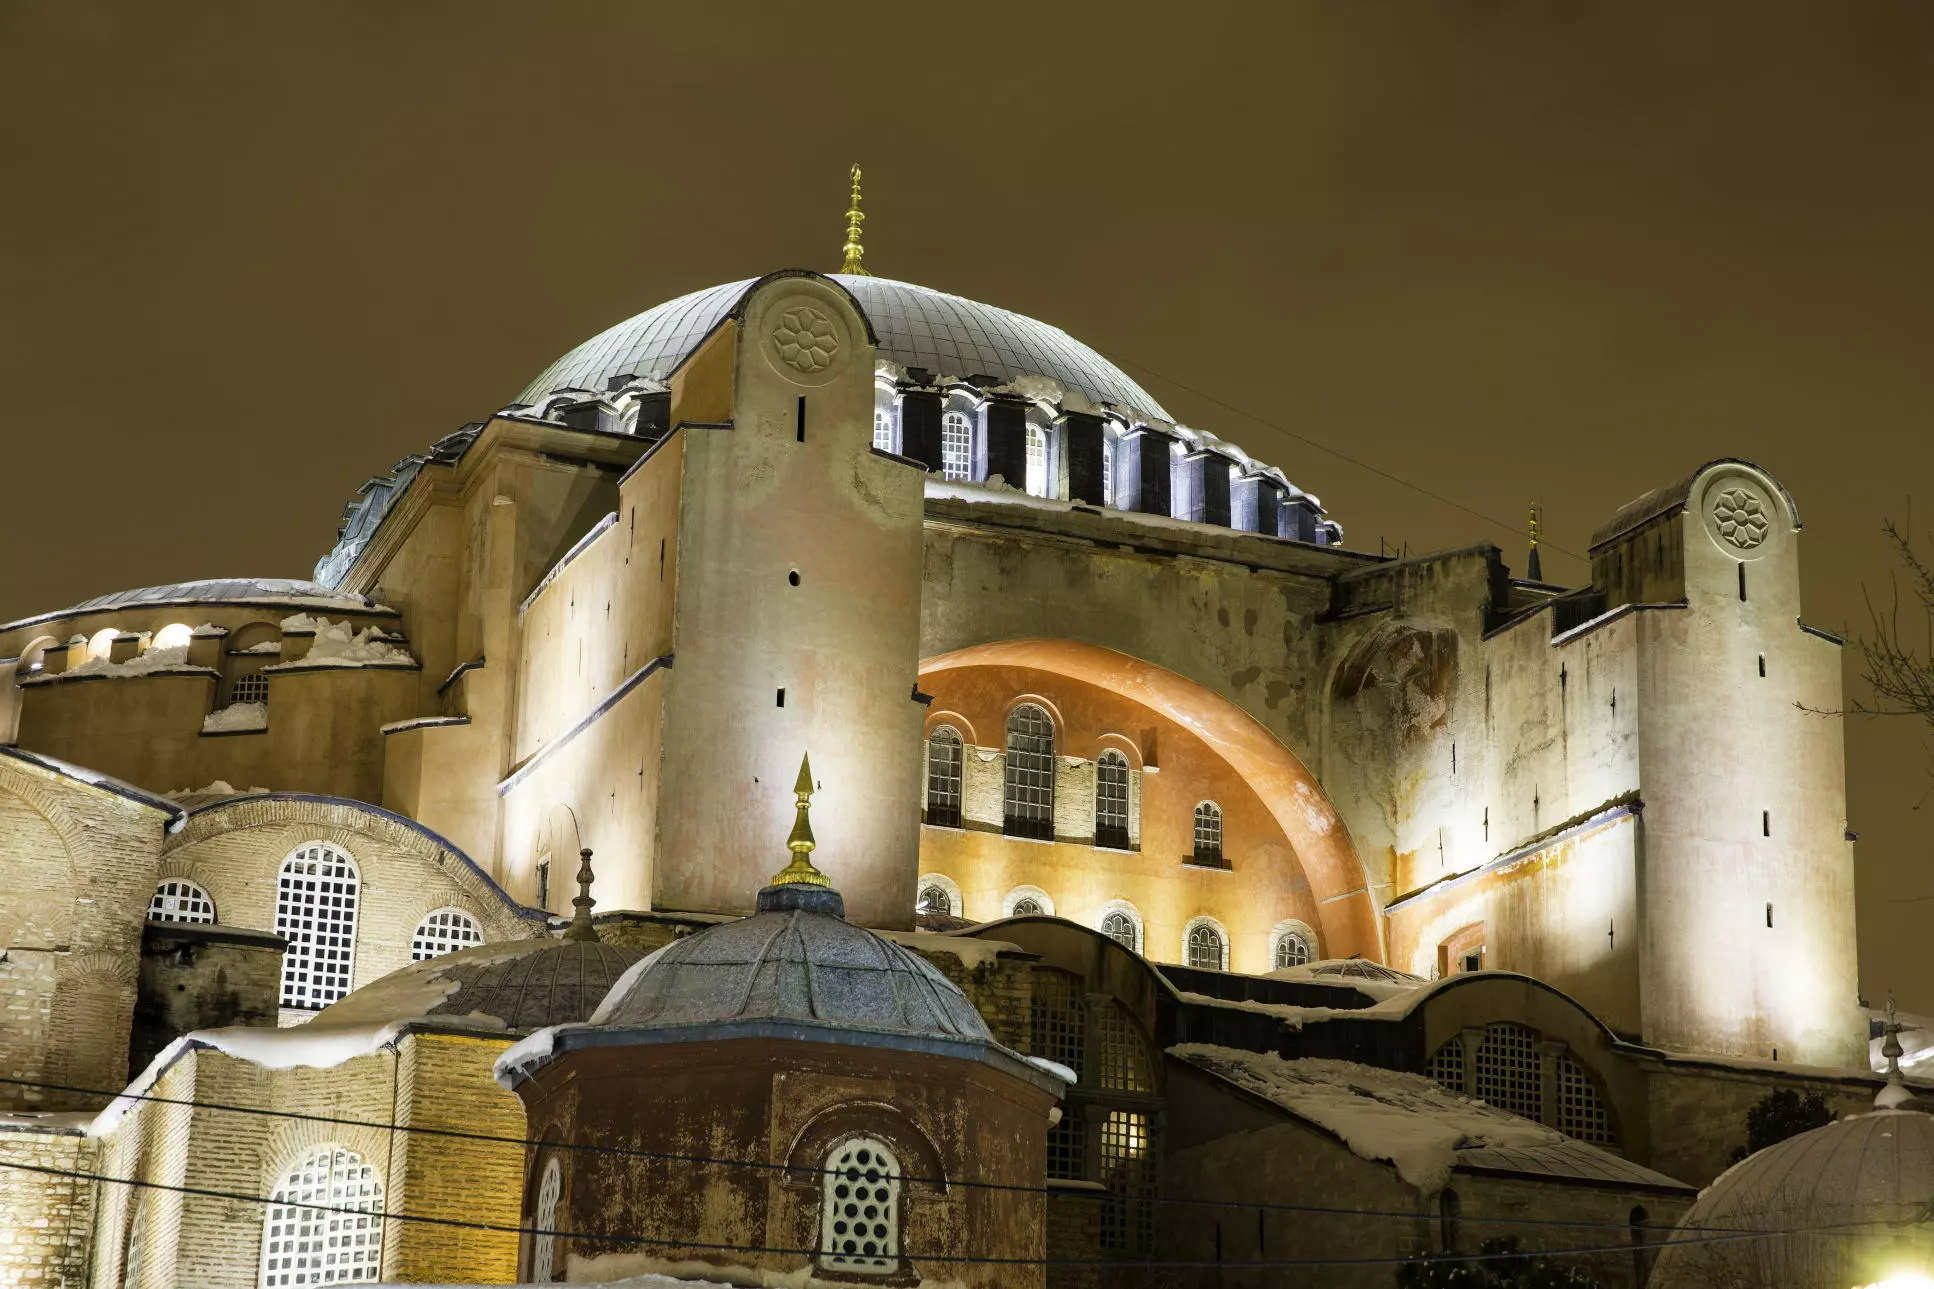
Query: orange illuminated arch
point(1290, 792)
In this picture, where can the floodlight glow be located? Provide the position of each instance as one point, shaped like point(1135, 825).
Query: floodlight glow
point(1903, 1280)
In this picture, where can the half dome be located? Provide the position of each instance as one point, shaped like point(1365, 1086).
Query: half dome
point(917, 327)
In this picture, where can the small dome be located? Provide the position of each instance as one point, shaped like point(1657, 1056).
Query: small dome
point(520, 984)
point(794, 960)
point(1850, 1199)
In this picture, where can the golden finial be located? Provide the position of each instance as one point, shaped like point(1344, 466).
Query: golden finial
point(855, 253)
point(1537, 521)
point(800, 872)
point(581, 927)
point(1534, 566)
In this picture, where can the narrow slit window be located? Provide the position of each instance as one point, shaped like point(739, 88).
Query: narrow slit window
point(1766, 823)
point(781, 699)
point(1769, 915)
point(800, 420)
point(1742, 582)
point(1762, 665)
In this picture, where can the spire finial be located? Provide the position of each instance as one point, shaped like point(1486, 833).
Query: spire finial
point(855, 253)
point(800, 872)
point(1895, 1093)
point(581, 928)
point(1534, 567)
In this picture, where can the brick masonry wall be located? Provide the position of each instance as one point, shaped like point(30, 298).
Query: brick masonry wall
point(44, 1221)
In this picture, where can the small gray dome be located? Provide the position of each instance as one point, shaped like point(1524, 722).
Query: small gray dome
point(793, 962)
point(525, 984)
point(1847, 1200)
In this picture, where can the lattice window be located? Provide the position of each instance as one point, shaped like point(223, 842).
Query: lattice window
point(1037, 461)
point(1509, 1074)
point(1123, 930)
point(444, 931)
point(1208, 833)
point(1030, 773)
point(956, 446)
point(249, 687)
point(315, 911)
point(1111, 800)
point(883, 428)
point(1292, 950)
point(1128, 1171)
point(1125, 1064)
point(935, 899)
point(1058, 1019)
point(1068, 1146)
point(544, 1218)
point(944, 777)
point(1206, 947)
point(1581, 1111)
point(860, 1212)
point(1107, 469)
point(1026, 907)
point(180, 901)
point(1446, 1065)
point(324, 1245)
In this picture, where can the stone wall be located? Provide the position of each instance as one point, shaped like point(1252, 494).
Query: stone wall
point(45, 1221)
point(202, 977)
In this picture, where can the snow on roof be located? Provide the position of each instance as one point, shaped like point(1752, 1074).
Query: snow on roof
point(172, 660)
point(339, 644)
point(973, 952)
point(94, 778)
point(1372, 979)
point(1420, 1128)
point(294, 593)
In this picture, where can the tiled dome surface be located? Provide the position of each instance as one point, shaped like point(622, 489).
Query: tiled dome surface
point(526, 984)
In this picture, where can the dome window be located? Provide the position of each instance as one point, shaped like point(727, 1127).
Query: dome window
point(860, 1209)
point(956, 446)
point(180, 900)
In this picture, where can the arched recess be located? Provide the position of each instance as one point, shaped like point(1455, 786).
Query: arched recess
point(1291, 794)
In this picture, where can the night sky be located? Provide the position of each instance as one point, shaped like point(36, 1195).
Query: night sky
point(251, 254)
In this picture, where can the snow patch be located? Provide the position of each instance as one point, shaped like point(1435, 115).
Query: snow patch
point(339, 644)
point(219, 788)
point(173, 659)
point(973, 953)
point(236, 716)
point(523, 1057)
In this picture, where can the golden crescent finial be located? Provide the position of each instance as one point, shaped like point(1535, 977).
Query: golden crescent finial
point(800, 872)
point(855, 252)
point(1537, 521)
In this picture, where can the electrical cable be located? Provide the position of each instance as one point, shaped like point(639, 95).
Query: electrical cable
point(1194, 1264)
point(1052, 1192)
point(1361, 464)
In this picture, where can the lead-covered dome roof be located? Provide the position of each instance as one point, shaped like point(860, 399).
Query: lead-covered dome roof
point(512, 984)
point(917, 326)
point(1848, 1202)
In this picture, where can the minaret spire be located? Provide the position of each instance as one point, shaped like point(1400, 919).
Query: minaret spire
point(800, 872)
point(581, 928)
point(1895, 1093)
point(855, 252)
point(1534, 568)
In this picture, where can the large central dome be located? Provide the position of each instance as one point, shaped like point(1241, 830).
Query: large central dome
point(917, 327)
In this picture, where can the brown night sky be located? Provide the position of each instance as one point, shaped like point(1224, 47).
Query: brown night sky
point(251, 254)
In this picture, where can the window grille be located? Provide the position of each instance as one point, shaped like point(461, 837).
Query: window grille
point(1208, 834)
point(1122, 929)
point(860, 1212)
point(1037, 461)
point(1125, 1066)
point(1581, 1111)
point(1111, 800)
point(180, 901)
point(1107, 469)
point(324, 1245)
point(1127, 1170)
point(1292, 950)
point(935, 899)
point(315, 911)
point(544, 1218)
point(1026, 907)
point(944, 777)
point(1030, 773)
point(444, 931)
point(1058, 1019)
point(1068, 1146)
point(1446, 1065)
point(956, 446)
point(883, 429)
point(250, 687)
point(1205, 947)
point(1509, 1075)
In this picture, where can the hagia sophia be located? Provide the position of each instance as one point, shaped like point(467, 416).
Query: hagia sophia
point(833, 784)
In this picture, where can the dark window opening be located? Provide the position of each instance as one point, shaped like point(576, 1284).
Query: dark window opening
point(801, 422)
point(1762, 665)
point(1742, 582)
point(1769, 915)
point(793, 577)
point(1766, 823)
point(543, 883)
point(781, 702)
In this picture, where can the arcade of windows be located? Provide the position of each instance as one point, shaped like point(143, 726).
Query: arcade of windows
point(1509, 1066)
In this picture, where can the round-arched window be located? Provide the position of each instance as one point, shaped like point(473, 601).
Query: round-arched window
point(550, 1184)
point(1030, 773)
point(316, 901)
point(1111, 800)
point(1294, 948)
point(1026, 907)
point(1205, 947)
point(180, 900)
point(944, 777)
point(938, 896)
point(444, 931)
point(860, 1208)
point(321, 1226)
point(1123, 927)
point(1208, 834)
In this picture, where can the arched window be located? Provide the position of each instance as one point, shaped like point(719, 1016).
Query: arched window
point(1026, 907)
point(180, 900)
point(1058, 1018)
point(944, 777)
point(883, 428)
point(444, 931)
point(935, 900)
point(252, 687)
point(1107, 467)
point(1508, 1071)
point(550, 1184)
point(1446, 1064)
point(176, 635)
point(956, 446)
point(1038, 460)
point(1125, 1063)
point(1030, 774)
point(315, 911)
point(1294, 947)
point(1123, 927)
point(246, 651)
point(1128, 1171)
point(1027, 901)
point(1208, 834)
point(1581, 1111)
point(324, 1244)
point(860, 1209)
point(1204, 946)
point(1111, 800)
